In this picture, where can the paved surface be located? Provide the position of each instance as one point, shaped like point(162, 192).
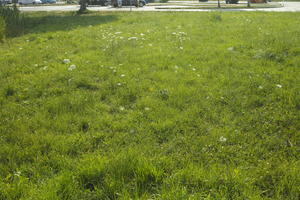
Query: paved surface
point(288, 7)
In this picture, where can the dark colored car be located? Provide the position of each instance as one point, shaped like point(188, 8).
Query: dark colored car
point(48, 1)
point(136, 3)
point(99, 2)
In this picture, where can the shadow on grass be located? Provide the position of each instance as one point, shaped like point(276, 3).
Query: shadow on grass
point(42, 22)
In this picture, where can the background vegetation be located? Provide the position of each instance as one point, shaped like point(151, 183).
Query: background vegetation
point(14, 21)
point(151, 106)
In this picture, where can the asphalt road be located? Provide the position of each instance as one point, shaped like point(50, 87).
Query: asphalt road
point(288, 7)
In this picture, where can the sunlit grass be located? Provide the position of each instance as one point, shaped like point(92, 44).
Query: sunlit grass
point(151, 106)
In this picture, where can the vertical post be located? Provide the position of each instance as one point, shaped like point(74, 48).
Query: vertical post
point(219, 5)
point(248, 3)
point(130, 5)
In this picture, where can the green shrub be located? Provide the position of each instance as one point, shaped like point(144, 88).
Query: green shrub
point(163, 1)
point(2, 29)
point(14, 20)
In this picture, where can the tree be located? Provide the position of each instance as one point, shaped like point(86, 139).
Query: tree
point(83, 6)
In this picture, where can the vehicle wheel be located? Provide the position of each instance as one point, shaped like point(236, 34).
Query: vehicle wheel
point(141, 4)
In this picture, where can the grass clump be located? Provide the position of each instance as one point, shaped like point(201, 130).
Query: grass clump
point(128, 175)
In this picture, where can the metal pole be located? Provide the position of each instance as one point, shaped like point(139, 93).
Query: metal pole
point(248, 4)
point(219, 5)
point(130, 5)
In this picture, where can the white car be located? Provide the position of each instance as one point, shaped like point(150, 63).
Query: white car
point(21, 2)
point(5, 2)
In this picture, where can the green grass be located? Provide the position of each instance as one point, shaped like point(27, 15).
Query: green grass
point(158, 106)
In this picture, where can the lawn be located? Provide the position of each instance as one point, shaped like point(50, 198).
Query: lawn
point(151, 106)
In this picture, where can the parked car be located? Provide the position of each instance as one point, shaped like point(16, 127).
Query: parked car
point(5, 2)
point(37, 2)
point(99, 2)
point(136, 3)
point(49, 1)
point(23, 2)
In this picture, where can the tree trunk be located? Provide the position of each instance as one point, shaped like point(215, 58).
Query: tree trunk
point(83, 5)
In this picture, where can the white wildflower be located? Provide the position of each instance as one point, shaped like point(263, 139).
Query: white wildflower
point(181, 48)
point(260, 87)
point(147, 108)
point(72, 67)
point(66, 61)
point(278, 85)
point(119, 84)
point(122, 75)
point(118, 33)
point(230, 49)
point(121, 108)
point(222, 139)
point(142, 34)
point(45, 68)
point(194, 69)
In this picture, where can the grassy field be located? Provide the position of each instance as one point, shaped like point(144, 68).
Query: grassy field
point(151, 106)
